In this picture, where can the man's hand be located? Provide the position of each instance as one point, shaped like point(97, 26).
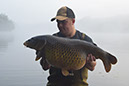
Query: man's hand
point(90, 62)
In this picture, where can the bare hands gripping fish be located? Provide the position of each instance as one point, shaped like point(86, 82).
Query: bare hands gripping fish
point(68, 54)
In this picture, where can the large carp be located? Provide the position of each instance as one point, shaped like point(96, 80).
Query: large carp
point(68, 54)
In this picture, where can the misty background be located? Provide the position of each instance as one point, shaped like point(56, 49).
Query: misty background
point(105, 21)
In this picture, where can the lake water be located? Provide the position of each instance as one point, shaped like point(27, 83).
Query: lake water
point(18, 67)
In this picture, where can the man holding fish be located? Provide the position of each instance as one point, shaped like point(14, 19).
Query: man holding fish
point(65, 19)
point(68, 54)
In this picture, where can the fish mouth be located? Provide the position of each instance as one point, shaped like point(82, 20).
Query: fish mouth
point(25, 43)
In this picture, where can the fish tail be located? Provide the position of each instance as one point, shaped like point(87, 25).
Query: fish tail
point(111, 58)
point(107, 65)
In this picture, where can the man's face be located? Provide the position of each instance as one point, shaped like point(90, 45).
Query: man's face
point(65, 26)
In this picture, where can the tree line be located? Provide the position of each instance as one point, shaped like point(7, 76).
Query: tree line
point(5, 23)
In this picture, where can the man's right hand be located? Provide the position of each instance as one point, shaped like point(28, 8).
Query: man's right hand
point(90, 62)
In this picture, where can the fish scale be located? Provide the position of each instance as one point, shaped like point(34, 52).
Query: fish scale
point(64, 54)
point(68, 54)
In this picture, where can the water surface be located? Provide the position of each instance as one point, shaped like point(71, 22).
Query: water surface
point(18, 68)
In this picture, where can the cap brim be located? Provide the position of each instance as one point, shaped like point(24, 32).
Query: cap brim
point(61, 18)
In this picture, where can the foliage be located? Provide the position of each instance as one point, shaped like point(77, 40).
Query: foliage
point(5, 23)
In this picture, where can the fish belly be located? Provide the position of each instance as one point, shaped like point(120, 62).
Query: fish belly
point(66, 57)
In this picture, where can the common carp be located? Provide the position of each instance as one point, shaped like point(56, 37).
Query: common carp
point(68, 54)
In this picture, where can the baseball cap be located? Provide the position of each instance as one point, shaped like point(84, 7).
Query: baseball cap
point(64, 13)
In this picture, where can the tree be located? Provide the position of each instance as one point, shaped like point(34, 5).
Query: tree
point(5, 23)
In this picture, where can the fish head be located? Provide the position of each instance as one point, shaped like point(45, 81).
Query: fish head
point(36, 43)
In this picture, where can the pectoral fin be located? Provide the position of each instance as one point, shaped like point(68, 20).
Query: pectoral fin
point(37, 58)
point(39, 55)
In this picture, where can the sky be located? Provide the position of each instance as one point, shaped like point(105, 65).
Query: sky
point(37, 11)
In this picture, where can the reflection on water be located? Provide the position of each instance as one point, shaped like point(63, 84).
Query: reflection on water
point(18, 68)
point(3, 45)
point(5, 39)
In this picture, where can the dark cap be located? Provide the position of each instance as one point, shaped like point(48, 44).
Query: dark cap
point(64, 13)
